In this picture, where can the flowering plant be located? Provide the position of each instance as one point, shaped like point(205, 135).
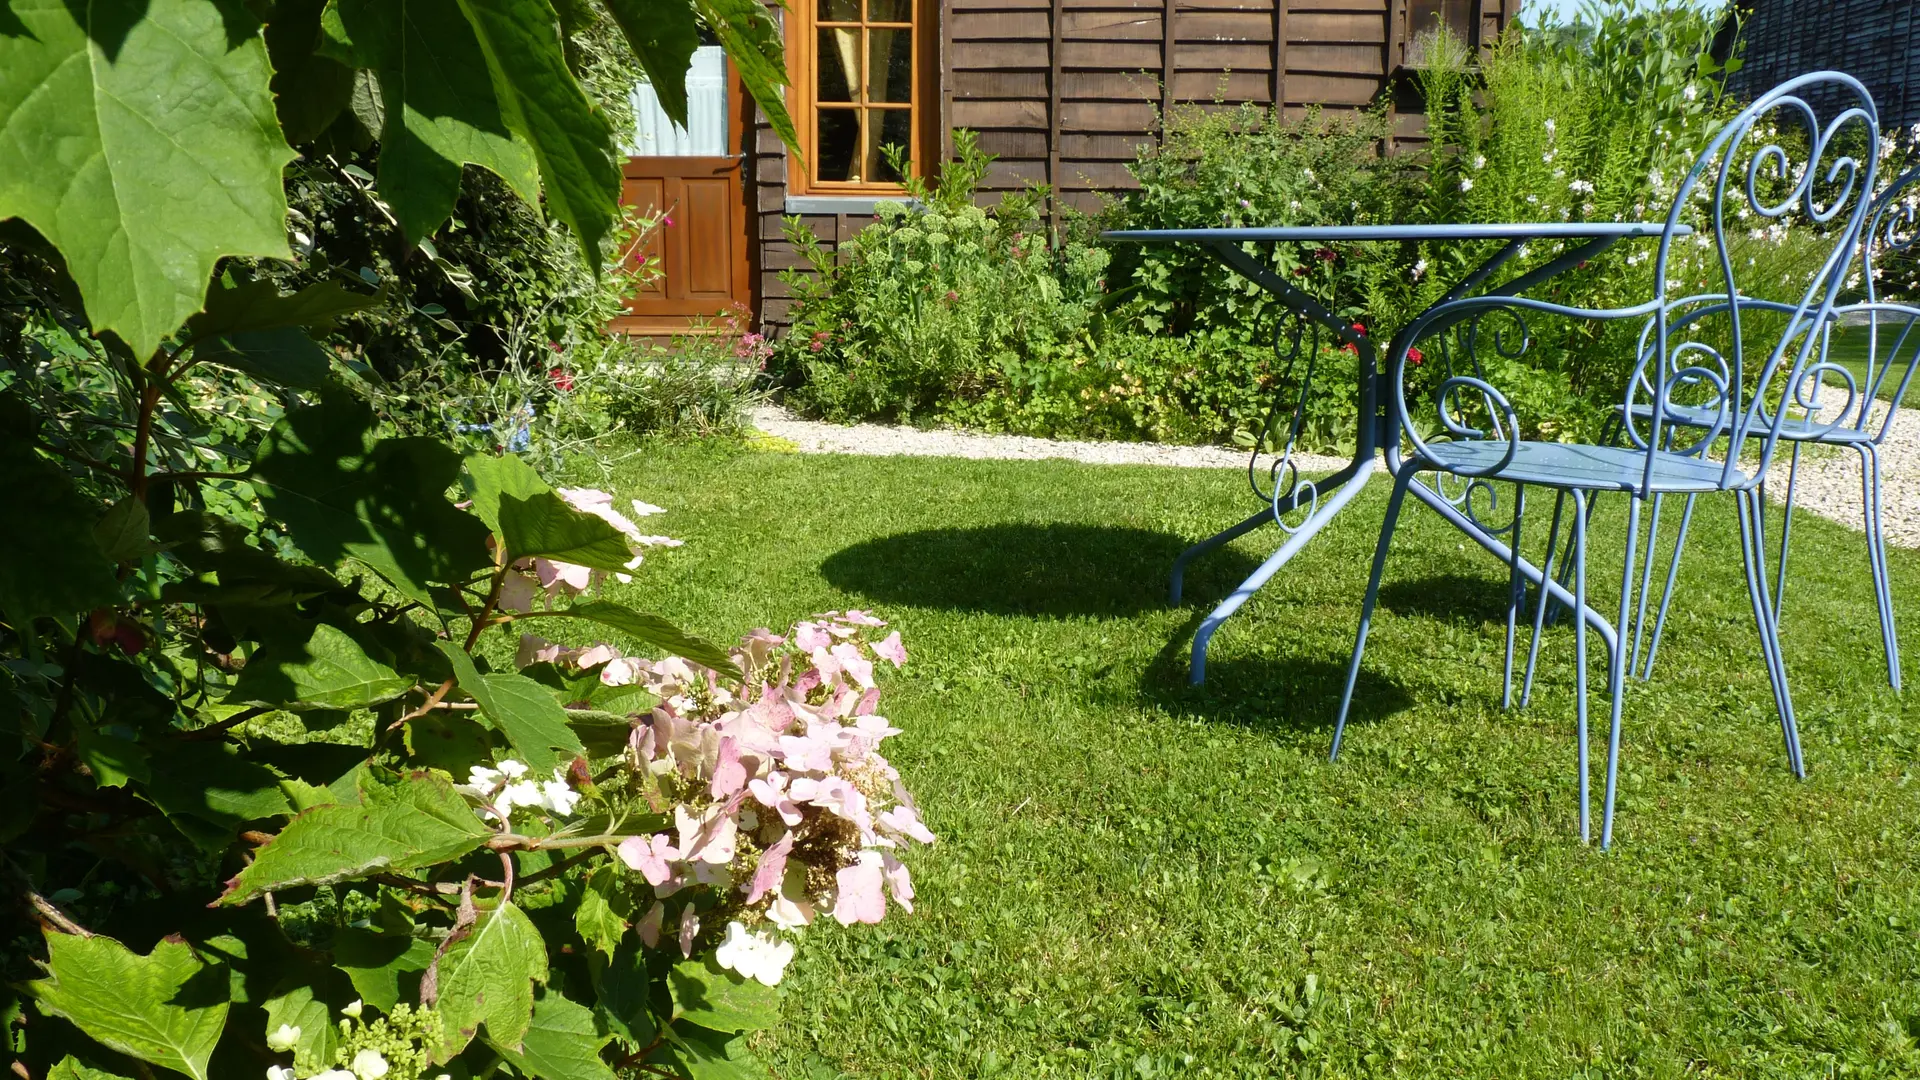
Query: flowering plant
point(414, 862)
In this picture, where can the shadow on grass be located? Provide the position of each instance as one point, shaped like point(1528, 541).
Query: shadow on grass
point(1059, 569)
point(1279, 695)
point(1461, 598)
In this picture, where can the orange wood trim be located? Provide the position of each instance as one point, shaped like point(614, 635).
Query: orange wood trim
point(928, 51)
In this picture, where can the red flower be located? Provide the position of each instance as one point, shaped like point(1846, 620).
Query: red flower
point(1350, 347)
point(1325, 255)
point(1299, 271)
point(1360, 328)
point(561, 379)
point(1415, 357)
point(952, 296)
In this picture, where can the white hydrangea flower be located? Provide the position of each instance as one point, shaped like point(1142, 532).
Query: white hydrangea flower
point(1466, 183)
point(369, 1065)
point(754, 955)
point(279, 1072)
point(283, 1038)
point(351, 1008)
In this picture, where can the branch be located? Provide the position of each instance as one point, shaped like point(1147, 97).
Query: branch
point(432, 703)
point(214, 731)
point(199, 474)
point(556, 868)
point(48, 912)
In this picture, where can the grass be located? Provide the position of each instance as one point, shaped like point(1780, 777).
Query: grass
point(1137, 878)
point(1850, 347)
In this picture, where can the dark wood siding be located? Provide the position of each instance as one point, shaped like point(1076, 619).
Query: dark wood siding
point(1065, 92)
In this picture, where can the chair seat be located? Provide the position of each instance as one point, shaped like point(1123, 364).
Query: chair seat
point(1579, 465)
point(1797, 428)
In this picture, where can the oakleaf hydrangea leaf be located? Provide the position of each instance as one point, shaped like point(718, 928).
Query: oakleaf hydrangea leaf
point(488, 978)
point(400, 823)
point(166, 1008)
point(139, 138)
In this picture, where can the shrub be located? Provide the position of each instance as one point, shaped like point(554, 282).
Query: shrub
point(936, 303)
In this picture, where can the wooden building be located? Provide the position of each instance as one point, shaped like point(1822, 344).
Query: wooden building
point(1063, 92)
point(1875, 41)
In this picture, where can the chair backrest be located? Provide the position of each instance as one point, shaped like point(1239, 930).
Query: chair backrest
point(1796, 166)
point(1893, 345)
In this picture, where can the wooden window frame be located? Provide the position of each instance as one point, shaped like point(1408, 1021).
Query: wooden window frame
point(802, 24)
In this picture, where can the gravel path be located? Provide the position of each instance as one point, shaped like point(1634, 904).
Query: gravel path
point(1829, 480)
point(812, 437)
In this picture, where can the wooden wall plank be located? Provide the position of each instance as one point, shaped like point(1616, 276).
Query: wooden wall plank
point(1225, 26)
point(1310, 89)
point(1000, 114)
point(1226, 57)
point(1226, 85)
point(998, 84)
point(1110, 86)
point(999, 55)
point(1114, 116)
point(1111, 55)
point(1053, 105)
point(1129, 25)
point(1018, 144)
point(1334, 59)
point(1277, 88)
point(1315, 27)
point(1000, 26)
point(1103, 147)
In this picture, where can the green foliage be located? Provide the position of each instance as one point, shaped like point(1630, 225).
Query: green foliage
point(248, 637)
point(937, 303)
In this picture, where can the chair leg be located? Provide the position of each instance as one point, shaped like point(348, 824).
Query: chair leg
point(1753, 560)
point(1516, 593)
point(1786, 531)
point(1540, 608)
point(1877, 556)
point(1366, 606)
point(1617, 666)
point(1646, 581)
point(1666, 597)
point(1579, 553)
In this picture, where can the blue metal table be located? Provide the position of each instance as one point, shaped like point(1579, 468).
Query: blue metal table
point(1378, 433)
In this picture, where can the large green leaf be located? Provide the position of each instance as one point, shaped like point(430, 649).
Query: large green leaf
point(310, 89)
point(490, 477)
point(344, 495)
point(70, 1068)
point(562, 1043)
point(139, 137)
point(663, 35)
point(283, 357)
point(377, 964)
point(54, 567)
point(260, 305)
point(649, 629)
point(526, 712)
point(441, 110)
point(623, 991)
point(212, 782)
point(400, 823)
point(296, 1007)
point(604, 909)
point(488, 978)
point(758, 51)
point(546, 526)
point(217, 545)
point(166, 1007)
point(544, 104)
point(711, 996)
point(704, 1054)
point(330, 670)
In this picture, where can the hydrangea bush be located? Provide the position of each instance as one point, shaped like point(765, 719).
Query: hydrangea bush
point(402, 860)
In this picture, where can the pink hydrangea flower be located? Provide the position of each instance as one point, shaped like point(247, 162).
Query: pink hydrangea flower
point(859, 899)
point(891, 650)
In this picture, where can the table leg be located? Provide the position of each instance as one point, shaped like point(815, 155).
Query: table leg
point(1352, 479)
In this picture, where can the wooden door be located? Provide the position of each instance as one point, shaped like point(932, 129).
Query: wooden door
point(700, 245)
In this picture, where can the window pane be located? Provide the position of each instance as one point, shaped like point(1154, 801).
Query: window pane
point(839, 144)
point(890, 11)
point(840, 11)
point(838, 65)
point(890, 65)
point(890, 127)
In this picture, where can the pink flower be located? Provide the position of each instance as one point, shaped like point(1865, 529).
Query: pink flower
point(805, 753)
point(729, 775)
point(808, 636)
point(905, 821)
point(622, 671)
point(771, 793)
point(855, 665)
point(565, 575)
point(517, 593)
point(708, 838)
point(891, 649)
point(857, 617)
point(649, 926)
point(561, 378)
point(860, 899)
point(651, 857)
point(689, 928)
point(772, 869)
point(899, 882)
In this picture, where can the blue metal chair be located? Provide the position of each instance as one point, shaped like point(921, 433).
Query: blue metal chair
point(1477, 441)
point(1854, 422)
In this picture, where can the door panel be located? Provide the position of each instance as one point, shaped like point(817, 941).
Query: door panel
point(701, 242)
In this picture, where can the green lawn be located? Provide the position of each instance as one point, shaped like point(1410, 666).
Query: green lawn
point(1137, 879)
point(1851, 347)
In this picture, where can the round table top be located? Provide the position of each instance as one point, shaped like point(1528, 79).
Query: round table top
point(1542, 230)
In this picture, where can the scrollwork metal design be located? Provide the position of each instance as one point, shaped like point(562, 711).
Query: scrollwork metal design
point(1284, 484)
